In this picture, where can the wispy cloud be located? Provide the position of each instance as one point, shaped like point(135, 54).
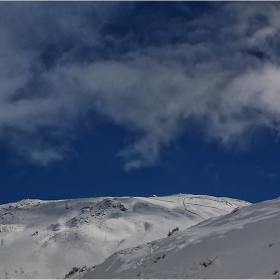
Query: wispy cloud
point(262, 173)
point(60, 60)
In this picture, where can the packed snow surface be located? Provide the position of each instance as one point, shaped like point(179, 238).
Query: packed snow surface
point(46, 239)
point(242, 244)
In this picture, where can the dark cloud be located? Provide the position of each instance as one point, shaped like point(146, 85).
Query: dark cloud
point(149, 67)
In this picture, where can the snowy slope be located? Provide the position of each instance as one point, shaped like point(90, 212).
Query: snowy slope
point(45, 239)
point(242, 244)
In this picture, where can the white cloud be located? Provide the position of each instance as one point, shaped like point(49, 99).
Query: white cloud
point(212, 75)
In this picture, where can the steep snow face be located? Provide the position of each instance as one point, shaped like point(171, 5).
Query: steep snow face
point(45, 239)
point(241, 244)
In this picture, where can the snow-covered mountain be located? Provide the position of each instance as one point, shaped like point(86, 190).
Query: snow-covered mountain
point(242, 244)
point(46, 239)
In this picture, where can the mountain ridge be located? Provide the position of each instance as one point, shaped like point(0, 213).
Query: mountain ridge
point(243, 244)
point(45, 239)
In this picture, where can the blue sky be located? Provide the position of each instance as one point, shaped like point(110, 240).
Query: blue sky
point(139, 98)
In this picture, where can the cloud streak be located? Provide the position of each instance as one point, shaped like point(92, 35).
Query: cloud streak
point(220, 68)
